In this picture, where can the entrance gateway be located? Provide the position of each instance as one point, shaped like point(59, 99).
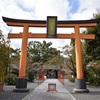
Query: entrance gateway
point(52, 24)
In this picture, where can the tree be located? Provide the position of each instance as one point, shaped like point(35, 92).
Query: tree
point(69, 51)
point(30, 75)
point(58, 60)
point(4, 55)
point(92, 52)
point(40, 52)
point(15, 55)
point(93, 46)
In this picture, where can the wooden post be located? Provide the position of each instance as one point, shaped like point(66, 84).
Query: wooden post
point(21, 82)
point(23, 56)
point(80, 82)
point(78, 51)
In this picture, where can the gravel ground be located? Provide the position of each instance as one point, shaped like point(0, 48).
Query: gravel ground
point(8, 93)
point(93, 94)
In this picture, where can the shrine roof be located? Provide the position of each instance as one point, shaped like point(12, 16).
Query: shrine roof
point(6, 19)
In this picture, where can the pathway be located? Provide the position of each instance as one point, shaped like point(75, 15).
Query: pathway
point(41, 93)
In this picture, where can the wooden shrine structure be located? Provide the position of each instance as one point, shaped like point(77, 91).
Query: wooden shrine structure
point(52, 24)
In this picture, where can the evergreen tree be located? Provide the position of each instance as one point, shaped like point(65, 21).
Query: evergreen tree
point(92, 52)
point(40, 52)
point(4, 56)
point(93, 46)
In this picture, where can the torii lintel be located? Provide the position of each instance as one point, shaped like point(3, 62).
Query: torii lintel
point(42, 23)
point(60, 24)
point(43, 35)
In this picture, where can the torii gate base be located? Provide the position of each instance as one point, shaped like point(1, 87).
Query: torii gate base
point(80, 82)
point(21, 85)
point(80, 86)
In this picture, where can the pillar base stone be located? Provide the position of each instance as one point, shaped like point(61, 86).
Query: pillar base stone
point(80, 90)
point(20, 90)
point(80, 86)
point(21, 85)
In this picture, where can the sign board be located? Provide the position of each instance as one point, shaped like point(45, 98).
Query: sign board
point(51, 87)
point(51, 26)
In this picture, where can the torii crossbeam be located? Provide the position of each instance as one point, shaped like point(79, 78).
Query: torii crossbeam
point(76, 24)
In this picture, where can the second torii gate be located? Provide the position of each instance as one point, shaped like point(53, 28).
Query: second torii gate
point(80, 83)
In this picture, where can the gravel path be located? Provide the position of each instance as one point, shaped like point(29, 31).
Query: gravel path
point(94, 92)
point(8, 93)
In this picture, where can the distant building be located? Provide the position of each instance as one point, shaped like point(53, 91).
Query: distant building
point(15, 69)
point(51, 71)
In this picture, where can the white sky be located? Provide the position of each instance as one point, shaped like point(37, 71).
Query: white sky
point(40, 9)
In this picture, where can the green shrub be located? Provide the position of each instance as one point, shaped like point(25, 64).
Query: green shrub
point(94, 81)
point(72, 80)
point(10, 79)
point(30, 75)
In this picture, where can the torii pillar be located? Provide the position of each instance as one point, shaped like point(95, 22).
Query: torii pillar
point(80, 83)
point(21, 82)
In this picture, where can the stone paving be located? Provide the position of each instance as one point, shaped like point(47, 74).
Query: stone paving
point(42, 93)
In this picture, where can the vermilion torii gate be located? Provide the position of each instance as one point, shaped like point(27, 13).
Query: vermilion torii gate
point(80, 84)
